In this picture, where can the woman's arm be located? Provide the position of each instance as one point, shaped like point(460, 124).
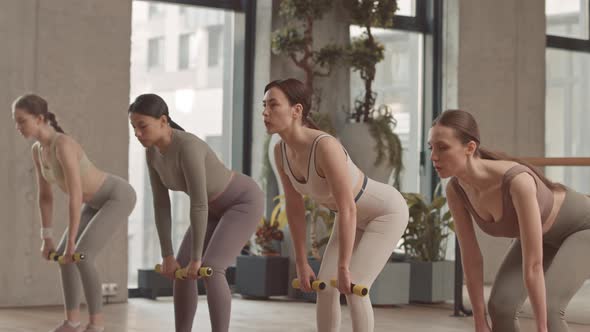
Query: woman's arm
point(332, 161)
point(162, 214)
point(44, 193)
point(192, 163)
point(523, 190)
point(471, 257)
point(67, 155)
point(295, 209)
point(45, 200)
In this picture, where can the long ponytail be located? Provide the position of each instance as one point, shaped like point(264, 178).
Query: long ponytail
point(495, 155)
point(174, 124)
point(467, 130)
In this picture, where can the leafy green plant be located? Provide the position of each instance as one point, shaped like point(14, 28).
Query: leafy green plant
point(315, 214)
point(363, 55)
point(295, 40)
point(266, 171)
point(365, 51)
point(267, 232)
point(270, 229)
point(425, 238)
point(387, 144)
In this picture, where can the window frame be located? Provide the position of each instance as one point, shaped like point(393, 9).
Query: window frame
point(570, 43)
point(248, 8)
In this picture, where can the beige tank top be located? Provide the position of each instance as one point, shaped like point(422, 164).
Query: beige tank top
point(52, 170)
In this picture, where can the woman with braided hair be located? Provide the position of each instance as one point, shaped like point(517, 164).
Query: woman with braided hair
point(98, 204)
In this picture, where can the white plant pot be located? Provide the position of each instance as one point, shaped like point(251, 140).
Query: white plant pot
point(360, 145)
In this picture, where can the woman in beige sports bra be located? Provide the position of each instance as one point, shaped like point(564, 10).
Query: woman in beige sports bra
point(508, 198)
point(370, 216)
point(98, 204)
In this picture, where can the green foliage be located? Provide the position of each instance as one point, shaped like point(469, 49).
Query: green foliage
point(328, 56)
point(365, 52)
point(374, 13)
point(363, 55)
point(266, 171)
point(288, 40)
point(381, 128)
point(304, 9)
point(315, 214)
point(295, 40)
point(425, 238)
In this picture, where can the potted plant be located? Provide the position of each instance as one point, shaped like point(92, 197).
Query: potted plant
point(370, 124)
point(264, 273)
point(295, 40)
point(425, 242)
point(320, 222)
point(392, 285)
point(265, 235)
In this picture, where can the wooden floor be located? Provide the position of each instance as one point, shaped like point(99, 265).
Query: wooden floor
point(250, 316)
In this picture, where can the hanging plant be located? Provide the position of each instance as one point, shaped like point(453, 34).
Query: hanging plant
point(363, 55)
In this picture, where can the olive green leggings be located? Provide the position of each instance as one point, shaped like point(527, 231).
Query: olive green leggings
point(564, 246)
point(100, 218)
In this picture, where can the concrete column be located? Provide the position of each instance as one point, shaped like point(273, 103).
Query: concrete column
point(76, 54)
point(495, 69)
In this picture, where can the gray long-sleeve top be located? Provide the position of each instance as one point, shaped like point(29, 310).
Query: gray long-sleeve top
point(191, 166)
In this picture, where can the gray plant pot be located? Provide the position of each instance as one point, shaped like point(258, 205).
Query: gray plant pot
point(262, 276)
point(392, 286)
point(432, 281)
point(152, 284)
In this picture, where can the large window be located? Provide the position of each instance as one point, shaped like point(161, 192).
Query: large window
point(567, 18)
point(398, 84)
point(155, 55)
point(203, 101)
point(187, 51)
point(567, 85)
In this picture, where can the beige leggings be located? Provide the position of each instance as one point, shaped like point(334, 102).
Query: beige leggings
point(382, 217)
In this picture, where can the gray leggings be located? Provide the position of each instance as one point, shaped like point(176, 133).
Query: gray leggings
point(565, 272)
point(101, 216)
point(233, 217)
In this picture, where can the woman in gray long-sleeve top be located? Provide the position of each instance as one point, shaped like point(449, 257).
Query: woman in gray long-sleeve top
point(225, 208)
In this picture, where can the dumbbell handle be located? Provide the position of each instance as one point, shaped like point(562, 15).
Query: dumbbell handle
point(359, 290)
point(53, 256)
point(316, 285)
point(182, 273)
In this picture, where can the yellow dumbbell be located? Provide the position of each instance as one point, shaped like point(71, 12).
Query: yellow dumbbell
point(359, 290)
point(316, 285)
point(182, 273)
point(53, 256)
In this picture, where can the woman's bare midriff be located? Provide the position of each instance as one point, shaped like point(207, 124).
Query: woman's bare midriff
point(91, 183)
